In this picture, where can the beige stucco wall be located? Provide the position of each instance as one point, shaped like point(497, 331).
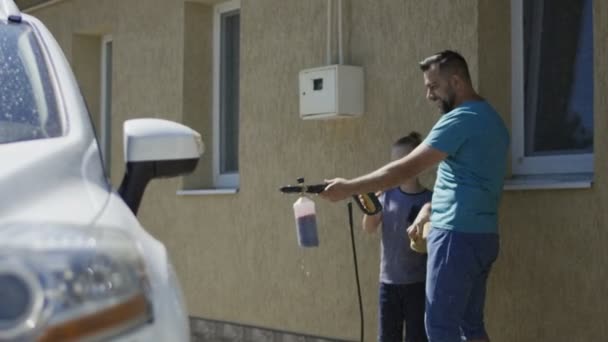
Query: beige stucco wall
point(237, 255)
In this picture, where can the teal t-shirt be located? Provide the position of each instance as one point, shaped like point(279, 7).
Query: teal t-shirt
point(470, 180)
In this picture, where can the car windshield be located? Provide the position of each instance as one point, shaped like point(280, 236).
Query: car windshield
point(28, 109)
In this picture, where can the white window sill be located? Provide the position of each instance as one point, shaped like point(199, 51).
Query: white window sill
point(549, 182)
point(207, 192)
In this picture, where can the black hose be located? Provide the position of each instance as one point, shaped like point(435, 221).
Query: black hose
point(352, 239)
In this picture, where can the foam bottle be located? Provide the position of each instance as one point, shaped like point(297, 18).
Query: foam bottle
point(306, 222)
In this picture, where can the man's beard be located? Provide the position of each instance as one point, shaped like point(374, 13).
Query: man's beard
point(447, 105)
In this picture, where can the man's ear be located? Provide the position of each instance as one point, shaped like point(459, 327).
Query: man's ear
point(456, 82)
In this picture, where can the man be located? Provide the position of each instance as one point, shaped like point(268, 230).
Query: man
point(469, 142)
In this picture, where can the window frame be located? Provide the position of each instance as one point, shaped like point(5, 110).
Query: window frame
point(105, 110)
point(533, 165)
point(220, 180)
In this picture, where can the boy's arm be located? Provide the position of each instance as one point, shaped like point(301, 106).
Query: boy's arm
point(370, 223)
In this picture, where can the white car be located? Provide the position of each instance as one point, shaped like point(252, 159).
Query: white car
point(75, 264)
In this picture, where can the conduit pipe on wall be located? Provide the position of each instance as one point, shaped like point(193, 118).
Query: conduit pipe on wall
point(340, 54)
point(330, 30)
point(329, 56)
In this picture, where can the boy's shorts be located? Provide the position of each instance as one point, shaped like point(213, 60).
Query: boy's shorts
point(457, 272)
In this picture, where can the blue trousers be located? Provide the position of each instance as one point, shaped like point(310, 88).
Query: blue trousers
point(457, 272)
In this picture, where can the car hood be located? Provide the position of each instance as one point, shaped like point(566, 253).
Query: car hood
point(59, 180)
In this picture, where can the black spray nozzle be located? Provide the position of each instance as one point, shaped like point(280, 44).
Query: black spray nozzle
point(297, 189)
point(301, 188)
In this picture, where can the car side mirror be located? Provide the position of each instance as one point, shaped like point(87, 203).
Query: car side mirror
point(156, 148)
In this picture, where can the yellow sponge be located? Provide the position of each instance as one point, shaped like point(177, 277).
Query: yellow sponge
point(418, 243)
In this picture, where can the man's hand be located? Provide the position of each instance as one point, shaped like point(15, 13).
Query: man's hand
point(416, 230)
point(337, 189)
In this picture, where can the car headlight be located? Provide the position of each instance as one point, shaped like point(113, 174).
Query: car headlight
point(67, 284)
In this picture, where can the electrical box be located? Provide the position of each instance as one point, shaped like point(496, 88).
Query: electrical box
point(330, 92)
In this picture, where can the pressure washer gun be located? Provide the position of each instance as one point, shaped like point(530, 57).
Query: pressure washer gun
point(305, 213)
point(368, 203)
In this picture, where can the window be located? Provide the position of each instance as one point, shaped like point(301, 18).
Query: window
point(226, 41)
point(28, 105)
point(105, 117)
point(552, 54)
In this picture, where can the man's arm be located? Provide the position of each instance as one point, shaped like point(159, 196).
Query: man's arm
point(392, 174)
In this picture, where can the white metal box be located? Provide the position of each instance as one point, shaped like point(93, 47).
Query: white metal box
point(332, 91)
